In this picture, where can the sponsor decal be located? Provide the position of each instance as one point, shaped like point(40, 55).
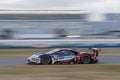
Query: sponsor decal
point(55, 57)
point(68, 57)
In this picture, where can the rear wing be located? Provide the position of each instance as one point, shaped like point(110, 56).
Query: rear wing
point(95, 50)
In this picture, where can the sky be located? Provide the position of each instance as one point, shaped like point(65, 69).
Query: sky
point(95, 6)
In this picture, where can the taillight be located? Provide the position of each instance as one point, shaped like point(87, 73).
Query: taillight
point(94, 55)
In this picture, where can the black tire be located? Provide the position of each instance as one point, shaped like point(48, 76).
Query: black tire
point(46, 59)
point(85, 59)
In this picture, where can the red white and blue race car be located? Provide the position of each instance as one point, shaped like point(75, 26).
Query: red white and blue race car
point(64, 56)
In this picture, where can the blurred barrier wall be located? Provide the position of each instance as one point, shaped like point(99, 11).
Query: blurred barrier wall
point(62, 43)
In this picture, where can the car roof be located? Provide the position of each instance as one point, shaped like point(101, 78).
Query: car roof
point(73, 49)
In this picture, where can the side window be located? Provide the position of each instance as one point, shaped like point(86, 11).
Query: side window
point(67, 53)
point(71, 53)
point(63, 51)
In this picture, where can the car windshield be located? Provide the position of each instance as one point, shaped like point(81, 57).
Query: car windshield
point(53, 51)
point(38, 53)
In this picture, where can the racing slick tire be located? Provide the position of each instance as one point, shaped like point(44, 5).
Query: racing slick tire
point(46, 59)
point(85, 59)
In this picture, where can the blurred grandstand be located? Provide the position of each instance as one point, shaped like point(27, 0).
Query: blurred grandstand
point(57, 24)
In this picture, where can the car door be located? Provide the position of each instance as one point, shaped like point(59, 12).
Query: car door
point(65, 55)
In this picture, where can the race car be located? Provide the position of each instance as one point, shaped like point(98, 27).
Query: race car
point(64, 56)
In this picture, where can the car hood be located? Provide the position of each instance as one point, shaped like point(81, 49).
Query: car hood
point(37, 54)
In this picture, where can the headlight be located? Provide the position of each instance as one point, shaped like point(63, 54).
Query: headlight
point(32, 58)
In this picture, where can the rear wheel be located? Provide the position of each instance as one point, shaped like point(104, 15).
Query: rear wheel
point(85, 59)
point(46, 59)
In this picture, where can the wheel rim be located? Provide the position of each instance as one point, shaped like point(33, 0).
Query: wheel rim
point(86, 59)
point(45, 59)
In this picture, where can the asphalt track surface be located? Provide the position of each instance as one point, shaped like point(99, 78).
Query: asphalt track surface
point(103, 59)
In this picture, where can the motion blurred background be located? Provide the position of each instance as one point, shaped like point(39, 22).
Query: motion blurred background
point(57, 24)
point(57, 27)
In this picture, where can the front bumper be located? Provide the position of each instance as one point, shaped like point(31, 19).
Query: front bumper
point(33, 61)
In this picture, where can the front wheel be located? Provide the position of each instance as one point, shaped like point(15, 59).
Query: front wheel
point(85, 59)
point(46, 59)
